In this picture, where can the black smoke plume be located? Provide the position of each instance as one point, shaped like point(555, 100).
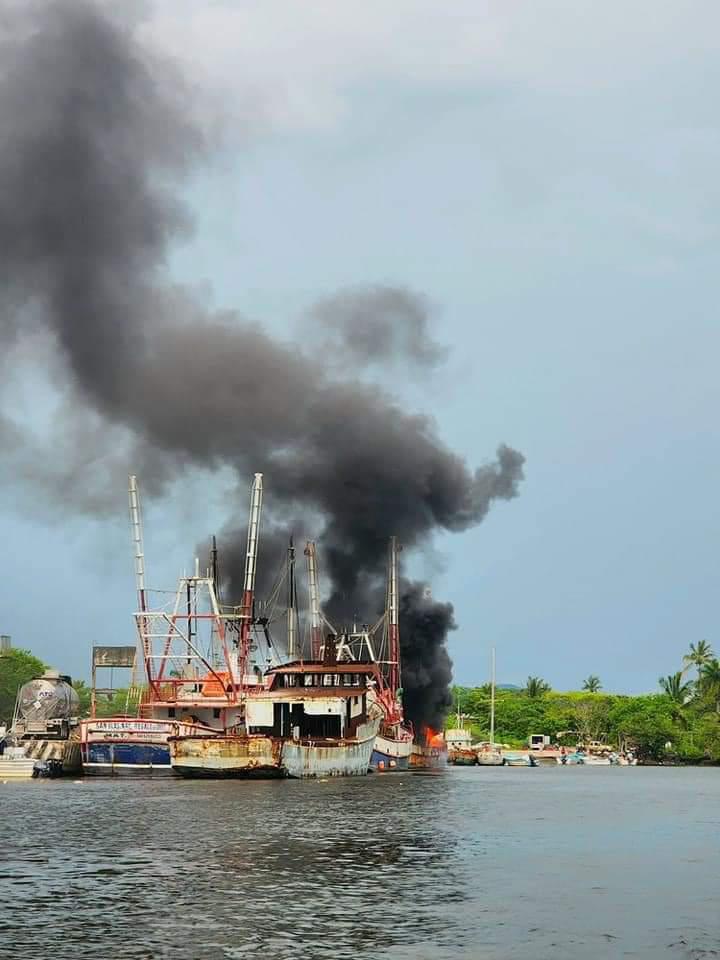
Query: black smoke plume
point(95, 137)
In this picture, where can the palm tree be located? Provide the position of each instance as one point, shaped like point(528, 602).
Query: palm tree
point(673, 687)
point(536, 687)
point(701, 653)
point(592, 684)
point(710, 680)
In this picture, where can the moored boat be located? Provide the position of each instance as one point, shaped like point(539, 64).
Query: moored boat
point(393, 743)
point(488, 754)
point(460, 751)
point(16, 765)
point(392, 748)
point(429, 752)
point(513, 759)
point(194, 683)
point(314, 719)
point(129, 746)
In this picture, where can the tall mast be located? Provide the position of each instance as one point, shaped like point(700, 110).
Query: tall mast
point(292, 605)
point(246, 608)
point(393, 619)
point(214, 570)
point(136, 530)
point(137, 538)
point(315, 615)
point(492, 699)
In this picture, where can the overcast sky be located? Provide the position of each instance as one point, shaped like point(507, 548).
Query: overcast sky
point(546, 174)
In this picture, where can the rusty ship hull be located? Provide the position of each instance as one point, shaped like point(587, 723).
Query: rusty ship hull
point(226, 757)
point(248, 757)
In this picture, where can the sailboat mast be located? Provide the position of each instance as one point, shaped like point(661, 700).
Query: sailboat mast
point(492, 698)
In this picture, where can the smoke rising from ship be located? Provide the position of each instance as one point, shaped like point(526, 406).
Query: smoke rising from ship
point(97, 136)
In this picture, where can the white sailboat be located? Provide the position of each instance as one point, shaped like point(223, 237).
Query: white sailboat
point(488, 755)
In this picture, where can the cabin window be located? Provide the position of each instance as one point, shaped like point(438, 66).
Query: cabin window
point(327, 679)
point(355, 700)
point(291, 680)
point(216, 713)
point(171, 711)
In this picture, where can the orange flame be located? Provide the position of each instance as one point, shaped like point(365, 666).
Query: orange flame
point(432, 738)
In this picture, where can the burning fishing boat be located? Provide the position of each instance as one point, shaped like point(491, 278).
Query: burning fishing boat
point(429, 751)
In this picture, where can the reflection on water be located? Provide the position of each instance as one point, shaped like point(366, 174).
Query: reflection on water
point(476, 863)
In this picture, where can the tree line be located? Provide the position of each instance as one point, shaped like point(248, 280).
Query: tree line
point(680, 722)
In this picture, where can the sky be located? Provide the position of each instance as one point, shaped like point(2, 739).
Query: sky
point(545, 174)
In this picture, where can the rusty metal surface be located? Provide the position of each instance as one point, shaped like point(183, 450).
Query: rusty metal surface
point(326, 758)
point(224, 755)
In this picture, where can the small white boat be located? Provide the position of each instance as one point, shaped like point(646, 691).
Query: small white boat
point(16, 765)
point(520, 760)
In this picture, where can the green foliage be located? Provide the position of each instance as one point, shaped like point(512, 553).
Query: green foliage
point(682, 718)
point(700, 654)
point(536, 687)
point(118, 703)
point(709, 681)
point(16, 668)
point(674, 687)
point(592, 684)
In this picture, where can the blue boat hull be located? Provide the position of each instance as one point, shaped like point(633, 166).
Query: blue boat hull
point(126, 759)
point(384, 762)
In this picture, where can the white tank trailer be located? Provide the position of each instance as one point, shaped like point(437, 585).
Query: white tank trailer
point(47, 708)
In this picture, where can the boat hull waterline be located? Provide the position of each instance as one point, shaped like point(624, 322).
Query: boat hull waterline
point(390, 754)
point(247, 757)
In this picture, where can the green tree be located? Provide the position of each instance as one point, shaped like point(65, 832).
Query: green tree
point(644, 723)
point(592, 718)
point(536, 687)
point(709, 681)
point(674, 687)
point(700, 654)
point(517, 716)
point(16, 668)
point(592, 684)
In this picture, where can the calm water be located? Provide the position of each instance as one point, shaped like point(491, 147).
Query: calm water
point(495, 863)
